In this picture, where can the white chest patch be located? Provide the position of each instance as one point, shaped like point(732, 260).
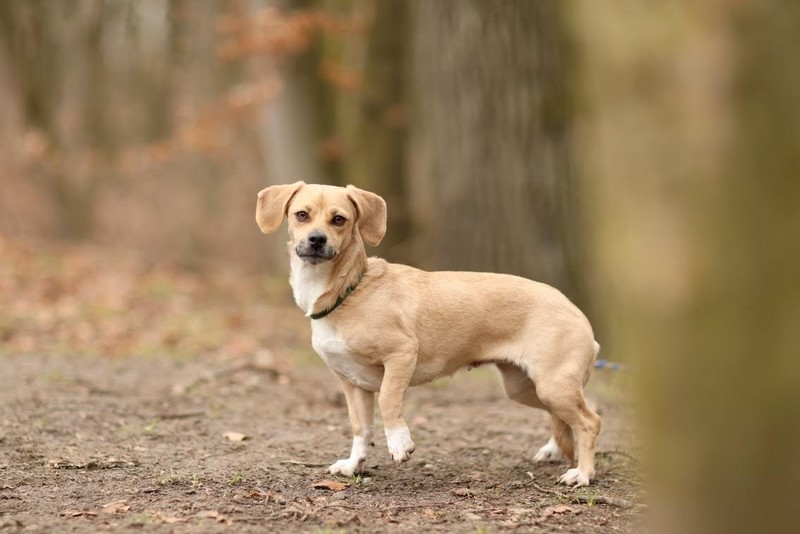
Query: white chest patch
point(308, 282)
point(332, 348)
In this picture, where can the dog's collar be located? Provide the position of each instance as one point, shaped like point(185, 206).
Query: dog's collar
point(339, 300)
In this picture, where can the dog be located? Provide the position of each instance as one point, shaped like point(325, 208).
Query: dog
point(384, 327)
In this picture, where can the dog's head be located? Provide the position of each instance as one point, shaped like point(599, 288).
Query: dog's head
point(323, 219)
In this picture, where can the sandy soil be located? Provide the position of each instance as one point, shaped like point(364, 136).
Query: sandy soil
point(124, 444)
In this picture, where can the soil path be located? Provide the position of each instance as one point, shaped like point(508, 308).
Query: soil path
point(99, 444)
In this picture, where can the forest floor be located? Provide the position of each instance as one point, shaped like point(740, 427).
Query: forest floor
point(137, 398)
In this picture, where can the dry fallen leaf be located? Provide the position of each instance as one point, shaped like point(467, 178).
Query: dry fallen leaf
point(116, 507)
point(235, 436)
point(331, 485)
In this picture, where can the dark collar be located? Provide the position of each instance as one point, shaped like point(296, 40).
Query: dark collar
point(339, 300)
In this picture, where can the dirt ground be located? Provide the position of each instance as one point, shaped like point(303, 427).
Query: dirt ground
point(123, 444)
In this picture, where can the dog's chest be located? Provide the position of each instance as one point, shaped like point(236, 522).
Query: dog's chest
point(333, 349)
point(308, 283)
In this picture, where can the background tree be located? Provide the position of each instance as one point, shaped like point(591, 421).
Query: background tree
point(491, 173)
point(691, 145)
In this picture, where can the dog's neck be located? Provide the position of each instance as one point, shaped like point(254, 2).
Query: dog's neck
point(316, 287)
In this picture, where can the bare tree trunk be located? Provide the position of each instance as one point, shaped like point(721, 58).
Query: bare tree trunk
point(291, 125)
point(376, 155)
point(490, 140)
point(71, 38)
point(693, 146)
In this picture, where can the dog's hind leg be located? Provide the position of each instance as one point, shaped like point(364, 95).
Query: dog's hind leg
point(520, 388)
point(361, 409)
point(564, 397)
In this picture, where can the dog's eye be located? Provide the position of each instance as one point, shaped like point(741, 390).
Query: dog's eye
point(301, 215)
point(339, 220)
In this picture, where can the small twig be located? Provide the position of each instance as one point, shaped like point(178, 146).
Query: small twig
point(248, 518)
point(619, 453)
point(336, 505)
point(186, 415)
point(424, 505)
point(603, 499)
point(92, 388)
point(545, 490)
point(304, 464)
point(392, 508)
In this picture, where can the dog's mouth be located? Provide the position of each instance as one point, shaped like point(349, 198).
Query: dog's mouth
point(315, 256)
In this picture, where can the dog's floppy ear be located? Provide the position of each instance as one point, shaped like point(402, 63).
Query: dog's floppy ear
point(272, 205)
point(371, 214)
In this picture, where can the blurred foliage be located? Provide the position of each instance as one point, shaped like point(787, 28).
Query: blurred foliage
point(151, 125)
point(141, 123)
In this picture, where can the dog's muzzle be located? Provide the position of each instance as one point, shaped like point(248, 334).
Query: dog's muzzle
point(314, 248)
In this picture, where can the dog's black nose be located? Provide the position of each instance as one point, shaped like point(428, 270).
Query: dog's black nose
point(317, 240)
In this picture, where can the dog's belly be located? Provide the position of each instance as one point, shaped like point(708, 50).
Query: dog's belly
point(339, 358)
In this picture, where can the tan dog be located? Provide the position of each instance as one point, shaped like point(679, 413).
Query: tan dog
point(383, 327)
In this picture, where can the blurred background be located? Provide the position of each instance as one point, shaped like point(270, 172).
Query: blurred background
point(151, 125)
point(642, 157)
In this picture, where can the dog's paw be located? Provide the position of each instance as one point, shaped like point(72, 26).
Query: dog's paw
point(574, 477)
point(549, 453)
point(400, 444)
point(346, 467)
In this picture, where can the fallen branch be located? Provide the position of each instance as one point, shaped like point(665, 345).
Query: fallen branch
point(425, 505)
point(304, 464)
point(110, 463)
point(185, 415)
point(391, 508)
point(581, 499)
point(545, 490)
point(618, 453)
point(603, 499)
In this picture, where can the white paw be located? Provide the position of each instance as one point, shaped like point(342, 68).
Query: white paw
point(549, 453)
point(346, 467)
point(358, 455)
point(574, 477)
point(400, 445)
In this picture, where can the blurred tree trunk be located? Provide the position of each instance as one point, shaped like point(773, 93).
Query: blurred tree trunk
point(67, 86)
point(376, 156)
point(325, 130)
point(293, 125)
point(56, 51)
point(490, 140)
point(693, 146)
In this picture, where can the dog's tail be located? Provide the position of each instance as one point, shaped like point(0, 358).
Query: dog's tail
point(563, 434)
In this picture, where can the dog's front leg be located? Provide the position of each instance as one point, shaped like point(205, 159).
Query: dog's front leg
point(361, 409)
point(396, 378)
